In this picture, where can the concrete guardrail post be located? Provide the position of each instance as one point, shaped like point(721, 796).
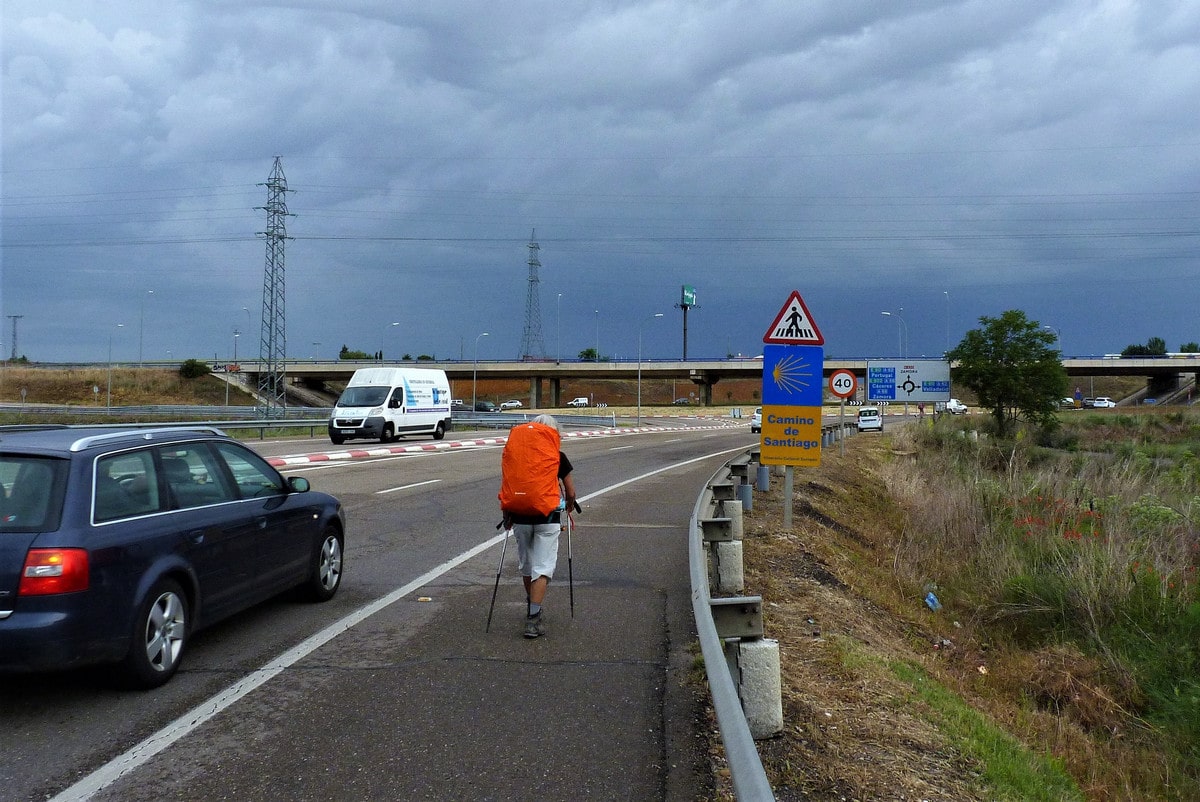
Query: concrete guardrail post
point(753, 662)
point(725, 568)
point(759, 685)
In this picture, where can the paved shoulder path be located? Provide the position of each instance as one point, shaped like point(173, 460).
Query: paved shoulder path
point(417, 702)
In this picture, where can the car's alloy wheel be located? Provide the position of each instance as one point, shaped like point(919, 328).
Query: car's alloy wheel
point(159, 637)
point(326, 574)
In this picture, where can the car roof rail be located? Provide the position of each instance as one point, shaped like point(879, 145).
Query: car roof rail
point(141, 434)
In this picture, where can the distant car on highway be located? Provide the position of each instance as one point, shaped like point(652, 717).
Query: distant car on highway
point(1103, 402)
point(118, 545)
point(581, 401)
point(485, 406)
point(513, 404)
point(956, 407)
point(756, 421)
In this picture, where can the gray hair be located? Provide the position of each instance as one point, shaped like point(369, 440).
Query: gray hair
point(547, 420)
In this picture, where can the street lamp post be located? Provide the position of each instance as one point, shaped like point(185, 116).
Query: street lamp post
point(1057, 336)
point(236, 334)
point(901, 329)
point(475, 369)
point(639, 378)
point(249, 320)
point(947, 294)
point(142, 326)
point(597, 335)
point(559, 335)
point(382, 356)
point(902, 334)
point(110, 336)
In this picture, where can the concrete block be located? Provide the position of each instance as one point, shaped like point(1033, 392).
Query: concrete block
point(725, 567)
point(760, 687)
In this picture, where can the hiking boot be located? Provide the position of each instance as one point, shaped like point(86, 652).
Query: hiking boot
point(534, 628)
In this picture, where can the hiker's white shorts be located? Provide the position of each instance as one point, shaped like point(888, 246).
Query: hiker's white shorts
point(537, 549)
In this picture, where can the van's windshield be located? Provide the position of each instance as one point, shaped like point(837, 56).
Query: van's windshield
point(363, 396)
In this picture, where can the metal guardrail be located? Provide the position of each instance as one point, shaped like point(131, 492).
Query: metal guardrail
point(745, 766)
point(244, 417)
point(506, 420)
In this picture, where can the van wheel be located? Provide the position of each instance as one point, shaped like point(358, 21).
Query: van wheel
point(439, 431)
point(337, 440)
point(388, 434)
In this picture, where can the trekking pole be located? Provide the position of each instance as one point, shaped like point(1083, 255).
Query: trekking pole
point(499, 569)
point(570, 568)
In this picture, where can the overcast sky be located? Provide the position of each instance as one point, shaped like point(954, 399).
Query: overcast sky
point(938, 160)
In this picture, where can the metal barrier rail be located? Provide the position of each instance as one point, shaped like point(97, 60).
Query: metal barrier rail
point(745, 767)
point(506, 420)
point(243, 417)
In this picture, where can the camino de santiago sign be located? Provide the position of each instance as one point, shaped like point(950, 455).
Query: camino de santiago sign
point(793, 387)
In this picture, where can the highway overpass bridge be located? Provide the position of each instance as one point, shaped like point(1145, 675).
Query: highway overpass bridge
point(546, 378)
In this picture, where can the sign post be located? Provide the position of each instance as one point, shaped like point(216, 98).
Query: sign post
point(793, 365)
point(843, 384)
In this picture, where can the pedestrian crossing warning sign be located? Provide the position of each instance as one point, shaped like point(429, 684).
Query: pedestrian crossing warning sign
point(794, 325)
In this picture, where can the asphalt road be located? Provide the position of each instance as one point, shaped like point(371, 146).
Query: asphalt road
point(405, 696)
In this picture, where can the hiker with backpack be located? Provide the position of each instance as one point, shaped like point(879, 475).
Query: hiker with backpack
point(537, 493)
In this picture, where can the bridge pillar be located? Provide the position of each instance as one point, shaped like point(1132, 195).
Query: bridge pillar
point(704, 382)
point(555, 392)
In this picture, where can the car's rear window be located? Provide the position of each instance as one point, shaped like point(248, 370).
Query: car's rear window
point(32, 492)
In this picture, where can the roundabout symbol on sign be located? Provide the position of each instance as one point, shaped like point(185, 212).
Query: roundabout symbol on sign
point(843, 383)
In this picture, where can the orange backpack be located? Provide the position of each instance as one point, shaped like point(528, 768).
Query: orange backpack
point(529, 470)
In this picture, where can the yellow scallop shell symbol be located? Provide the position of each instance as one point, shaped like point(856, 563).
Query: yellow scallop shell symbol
point(792, 374)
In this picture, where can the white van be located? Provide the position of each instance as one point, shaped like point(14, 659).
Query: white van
point(870, 418)
point(385, 403)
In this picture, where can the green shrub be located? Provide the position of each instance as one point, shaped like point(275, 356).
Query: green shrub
point(193, 369)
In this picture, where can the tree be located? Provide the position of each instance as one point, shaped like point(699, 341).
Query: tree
point(589, 355)
point(193, 369)
point(1190, 348)
point(1010, 366)
point(1155, 346)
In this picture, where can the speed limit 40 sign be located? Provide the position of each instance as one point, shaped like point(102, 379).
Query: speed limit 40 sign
point(843, 383)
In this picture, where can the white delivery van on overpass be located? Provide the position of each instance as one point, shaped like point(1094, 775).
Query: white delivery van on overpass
point(385, 403)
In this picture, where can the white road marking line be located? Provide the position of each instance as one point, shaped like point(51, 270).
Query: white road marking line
point(407, 487)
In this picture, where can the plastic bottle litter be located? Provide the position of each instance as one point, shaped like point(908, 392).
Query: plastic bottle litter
point(932, 602)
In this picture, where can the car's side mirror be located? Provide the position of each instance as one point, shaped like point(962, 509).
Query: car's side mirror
point(298, 484)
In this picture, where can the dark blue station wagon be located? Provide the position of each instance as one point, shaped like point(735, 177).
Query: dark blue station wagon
point(116, 545)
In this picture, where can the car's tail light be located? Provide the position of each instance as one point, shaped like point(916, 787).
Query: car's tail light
point(49, 571)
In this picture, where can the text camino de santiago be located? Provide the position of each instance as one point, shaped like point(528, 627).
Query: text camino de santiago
point(789, 440)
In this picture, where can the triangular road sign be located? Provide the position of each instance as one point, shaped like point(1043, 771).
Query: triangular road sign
point(794, 325)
